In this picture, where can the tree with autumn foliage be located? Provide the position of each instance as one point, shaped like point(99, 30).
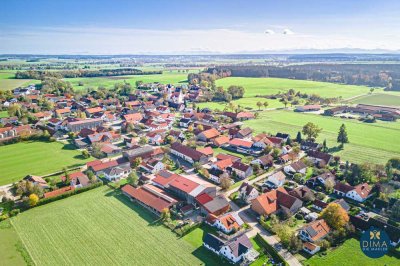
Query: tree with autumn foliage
point(335, 216)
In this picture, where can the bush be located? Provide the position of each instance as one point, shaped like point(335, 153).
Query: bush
point(14, 212)
point(270, 250)
point(299, 216)
point(68, 194)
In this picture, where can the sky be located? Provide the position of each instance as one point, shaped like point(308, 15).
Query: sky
point(194, 27)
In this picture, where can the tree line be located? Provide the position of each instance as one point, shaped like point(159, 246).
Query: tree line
point(81, 73)
point(380, 75)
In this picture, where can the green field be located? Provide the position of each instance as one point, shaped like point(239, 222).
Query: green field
point(245, 103)
point(12, 251)
point(265, 86)
point(172, 77)
point(374, 143)
point(8, 82)
point(350, 254)
point(379, 99)
point(100, 227)
point(37, 158)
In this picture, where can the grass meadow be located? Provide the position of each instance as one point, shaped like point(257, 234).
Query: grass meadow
point(350, 254)
point(380, 99)
point(100, 227)
point(373, 143)
point(12, 251)
point(8, 82)
point(265, 86)
point(171, 77)
point(37, 158)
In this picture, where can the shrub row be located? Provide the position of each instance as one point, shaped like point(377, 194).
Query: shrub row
point(271, 251)
point(70, 193)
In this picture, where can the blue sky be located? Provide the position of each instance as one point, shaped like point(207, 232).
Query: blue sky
point(120, 27)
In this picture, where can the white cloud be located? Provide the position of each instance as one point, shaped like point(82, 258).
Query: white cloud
point(287, 32)
point(268, 31)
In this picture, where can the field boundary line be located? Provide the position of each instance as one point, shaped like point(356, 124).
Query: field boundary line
point(20, 238)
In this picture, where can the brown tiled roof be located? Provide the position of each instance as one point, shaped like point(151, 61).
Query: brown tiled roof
point(192, 153)
point(317, 229)
point(363, 190)
point(241, 142)
point(210, 133)
point(151, 196)
point(343, 187)
point(221, 140)
point(58, 192)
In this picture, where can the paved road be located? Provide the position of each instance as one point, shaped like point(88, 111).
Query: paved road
point(249, 218)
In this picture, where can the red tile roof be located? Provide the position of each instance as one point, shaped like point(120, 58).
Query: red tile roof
point(58, 192)
point(102, 166)
point(241, 142)
point(151, 196)
point(207, 150)
point(184, 184)
point(204, 198)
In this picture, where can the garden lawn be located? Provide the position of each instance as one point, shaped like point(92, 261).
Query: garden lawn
point(379, 99)
point(372, 143)
point(350, 254)
point(220, 150)
point(195, 239)
point(37, 158)
point(99, 227)
point(108, 82)
point(12, 251)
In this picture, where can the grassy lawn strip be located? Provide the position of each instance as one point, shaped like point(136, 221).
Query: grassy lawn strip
point(100, 227)
point(12, 251)
point(37, 158)
point(350, 252)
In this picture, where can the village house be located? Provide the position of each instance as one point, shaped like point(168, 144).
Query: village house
point(227, 223)
point(37, 180)
point(152, 166)
point(276, 180)
point(303, 193)
point(274, 201)
point(208, 135)
point(296, 167)
point(221, 141)
point(360, 192)
point(319, 158)
point(77, 179)
point(314, 231)
point(241, 170)
point(265, 161)
point(188, 154)
point(235, 249)
point(247, 193)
